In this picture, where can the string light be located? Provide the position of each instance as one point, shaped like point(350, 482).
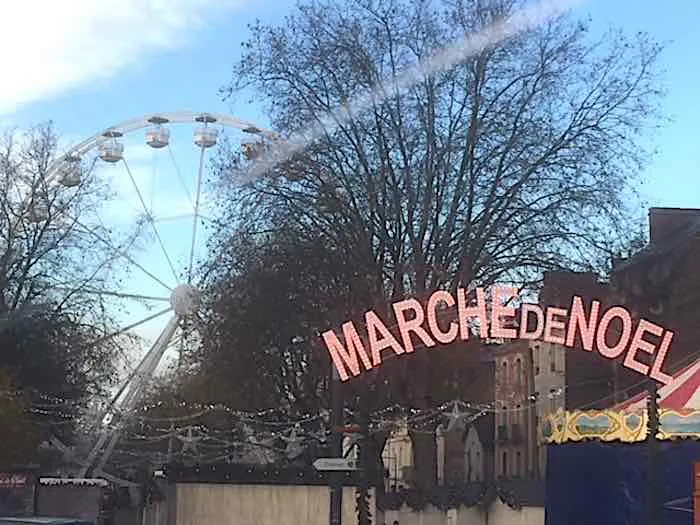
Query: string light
point(262, 418)
point(273, 425)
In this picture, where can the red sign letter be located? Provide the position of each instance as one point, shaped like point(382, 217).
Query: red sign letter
point(343, 358)
point(656, 372)
point(499, 296)
point(586, 327)
point(468, 312)
point(525, 310)
point(406, 326)
point(380, 338)
point(445, 338)
point(551, 324)
point(612, 352)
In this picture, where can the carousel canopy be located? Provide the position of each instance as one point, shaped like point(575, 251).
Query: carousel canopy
point(679, 416)
point(683, 393)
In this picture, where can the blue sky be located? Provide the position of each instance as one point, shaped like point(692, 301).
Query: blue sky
point(88, 64)
point(673, 177)
point(185, 62)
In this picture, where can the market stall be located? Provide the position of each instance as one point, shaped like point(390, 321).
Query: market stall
point(597, 460)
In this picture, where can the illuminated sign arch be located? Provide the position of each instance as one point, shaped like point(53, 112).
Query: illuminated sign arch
point(352, 354)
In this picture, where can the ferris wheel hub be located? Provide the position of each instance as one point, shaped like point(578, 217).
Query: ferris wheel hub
point(185, 300)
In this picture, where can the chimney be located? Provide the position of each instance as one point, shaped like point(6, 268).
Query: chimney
point(665, 221)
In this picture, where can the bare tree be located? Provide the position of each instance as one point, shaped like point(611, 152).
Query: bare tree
point(517, 160)
point(51, 322)
point(269, 294)
point(522, 158)
point(16, 428)
point(48, 231)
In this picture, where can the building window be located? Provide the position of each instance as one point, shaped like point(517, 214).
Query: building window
point(502, 429)
point(505, 371)
point(552, 360)
point(518, 371)
point(552, 400)
point(518, 466)
point(504, 466)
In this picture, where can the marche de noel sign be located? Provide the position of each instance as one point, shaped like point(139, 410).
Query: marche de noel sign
point(355, 351)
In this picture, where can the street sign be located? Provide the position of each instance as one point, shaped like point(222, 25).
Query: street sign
point(335, 464)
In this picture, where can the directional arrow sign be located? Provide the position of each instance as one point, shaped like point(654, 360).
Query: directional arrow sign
point(335, 464)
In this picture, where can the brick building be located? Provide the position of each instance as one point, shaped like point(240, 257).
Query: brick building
point(661, 282)
point(515, 450)
point(588, 380)
point(529, 380)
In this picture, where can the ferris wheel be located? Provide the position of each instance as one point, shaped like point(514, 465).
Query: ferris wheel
point(161, 288)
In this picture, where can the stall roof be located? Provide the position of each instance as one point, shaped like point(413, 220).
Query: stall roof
point(683, 393)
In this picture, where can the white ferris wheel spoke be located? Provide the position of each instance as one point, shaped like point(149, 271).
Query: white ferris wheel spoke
point(121, 295)
point(161, 344)
point(130, 327)
point(121, 253)
point(149, 219)
point(84, 285)
point(70, 291)
point(173, 218)
point(195, 220)
point(178, 173)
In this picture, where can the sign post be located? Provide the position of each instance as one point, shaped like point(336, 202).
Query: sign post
point(364, 515)
point(653, 510)
point(337, 419)
point(696, 495)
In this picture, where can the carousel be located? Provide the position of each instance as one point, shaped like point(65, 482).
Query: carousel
point(679, 416)
point(598, 461)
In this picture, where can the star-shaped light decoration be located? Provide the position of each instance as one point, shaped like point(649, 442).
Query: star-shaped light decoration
point(255, 450)
point(259, 451)
point(456, 418)
point(189, 442)
point(295, 442)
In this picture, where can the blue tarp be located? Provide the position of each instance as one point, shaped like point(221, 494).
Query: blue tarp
point(605, 483)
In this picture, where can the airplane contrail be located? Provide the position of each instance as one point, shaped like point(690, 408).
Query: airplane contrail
point(525, 19)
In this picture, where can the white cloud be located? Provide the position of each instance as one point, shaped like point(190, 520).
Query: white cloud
point(50, 46)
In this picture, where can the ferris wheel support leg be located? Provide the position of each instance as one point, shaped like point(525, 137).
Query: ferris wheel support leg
point(148, 365)
point(139, 372)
